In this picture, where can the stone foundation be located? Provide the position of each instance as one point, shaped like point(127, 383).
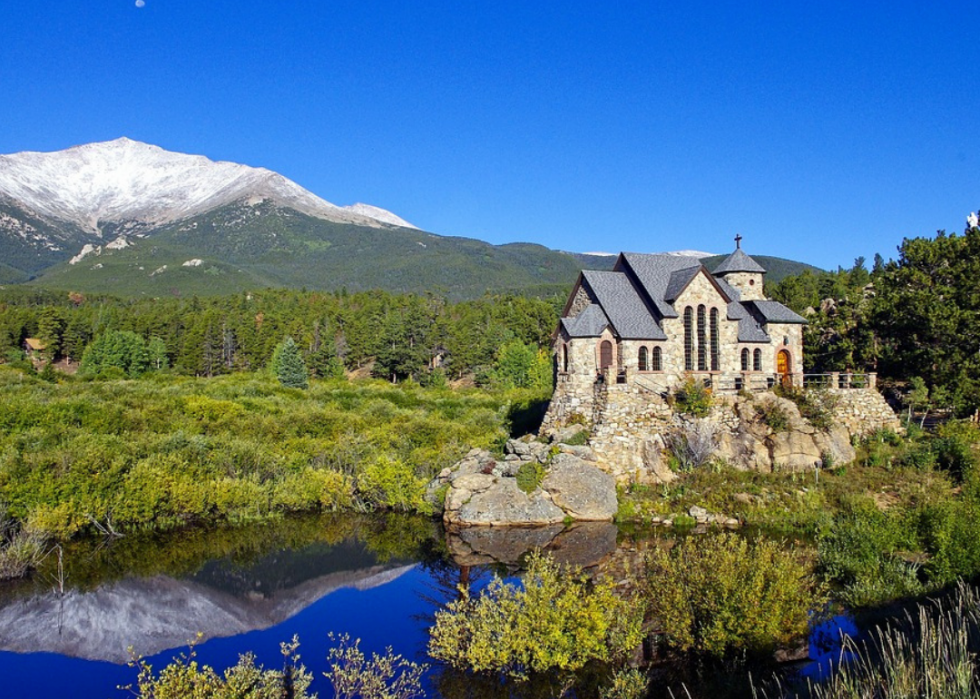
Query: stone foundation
point(631, 427)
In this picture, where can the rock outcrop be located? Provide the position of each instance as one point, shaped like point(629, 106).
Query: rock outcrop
point(637, 431)
point(561, 482)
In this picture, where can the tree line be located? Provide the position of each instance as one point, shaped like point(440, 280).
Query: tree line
point(497, 339)
point(915, 320)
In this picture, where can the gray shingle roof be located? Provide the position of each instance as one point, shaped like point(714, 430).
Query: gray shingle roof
point(679, 281)
point(589, 323)
point(749, 329)
point(773, 312)
point(738, 261)
point(654, 272)
point(732, 293)
point(622, 304)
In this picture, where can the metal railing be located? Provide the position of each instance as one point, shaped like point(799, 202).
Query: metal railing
point(752, 382)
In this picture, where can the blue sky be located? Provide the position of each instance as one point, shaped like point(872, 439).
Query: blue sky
point(820, 131)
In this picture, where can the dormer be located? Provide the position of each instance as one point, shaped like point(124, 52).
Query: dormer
point(743, 273)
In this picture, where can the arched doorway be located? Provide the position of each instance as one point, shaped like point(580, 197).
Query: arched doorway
point(605, 355)
point(783, 366)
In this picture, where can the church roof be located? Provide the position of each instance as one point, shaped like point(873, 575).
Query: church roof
point(639, 293)
point(773, 312)
point(738, 261)
point(621, 301)
point(589, 323)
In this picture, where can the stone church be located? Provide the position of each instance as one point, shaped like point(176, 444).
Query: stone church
point(655, 320)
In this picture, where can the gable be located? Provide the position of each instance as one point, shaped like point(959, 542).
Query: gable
point(700, 288)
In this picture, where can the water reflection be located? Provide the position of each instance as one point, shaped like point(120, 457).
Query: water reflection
point(584, 544)
point(377, 578)
point(155, 594)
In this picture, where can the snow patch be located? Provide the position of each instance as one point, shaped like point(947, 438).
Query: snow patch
point(193, 263)
point(125, 181)
point(158, 270)
point(378, 214)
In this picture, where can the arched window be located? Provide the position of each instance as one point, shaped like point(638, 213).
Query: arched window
point(688, 339)
point(657, 364)
point(757, 360)
point(702, 340)
point(643, 361)
point(605, 355)
point(715, 358)
point(745, 359)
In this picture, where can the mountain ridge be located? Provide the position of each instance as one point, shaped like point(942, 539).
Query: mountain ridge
point(127, 218)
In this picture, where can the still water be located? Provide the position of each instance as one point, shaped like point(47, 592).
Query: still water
point(70, 631)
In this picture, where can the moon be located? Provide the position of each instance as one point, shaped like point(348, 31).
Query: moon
point(140, 3)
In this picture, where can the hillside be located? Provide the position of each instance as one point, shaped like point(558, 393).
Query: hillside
point(240, 246)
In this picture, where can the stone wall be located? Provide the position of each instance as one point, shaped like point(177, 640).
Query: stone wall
point(627, 430)
point(749, 284)
point(863, 410)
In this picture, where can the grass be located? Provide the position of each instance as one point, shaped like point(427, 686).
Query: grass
point(929, 654)
point(168, 451)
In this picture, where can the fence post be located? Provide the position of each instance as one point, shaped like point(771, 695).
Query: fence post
point(872, 379)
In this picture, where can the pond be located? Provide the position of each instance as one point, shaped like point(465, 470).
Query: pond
point(71, 630)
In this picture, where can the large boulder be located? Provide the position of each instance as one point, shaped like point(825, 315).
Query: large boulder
point(504, 504)
point(580, 489)
point(482, 491)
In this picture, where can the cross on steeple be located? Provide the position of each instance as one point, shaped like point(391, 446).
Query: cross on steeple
point(738, 241)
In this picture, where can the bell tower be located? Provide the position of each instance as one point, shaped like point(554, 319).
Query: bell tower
point(743, 273)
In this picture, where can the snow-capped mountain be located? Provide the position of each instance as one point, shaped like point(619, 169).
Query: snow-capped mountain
point(125, 180)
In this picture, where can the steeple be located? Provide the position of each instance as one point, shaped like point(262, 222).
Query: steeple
point(742, 272)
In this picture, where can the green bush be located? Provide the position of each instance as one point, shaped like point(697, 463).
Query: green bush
point(774, 416)
point(558, 620)
point(721, 595)
point(184, 677)
point(860, 551)
point(693, 398)
point(392, 483)
point(529, 476)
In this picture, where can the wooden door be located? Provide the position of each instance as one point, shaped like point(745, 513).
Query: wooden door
point(782, 365)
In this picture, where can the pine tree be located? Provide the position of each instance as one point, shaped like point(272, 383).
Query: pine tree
point(288, 365)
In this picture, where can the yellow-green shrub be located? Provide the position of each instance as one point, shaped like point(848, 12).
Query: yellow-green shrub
point(312, 489)
point(391, 483)
point(717, 594)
